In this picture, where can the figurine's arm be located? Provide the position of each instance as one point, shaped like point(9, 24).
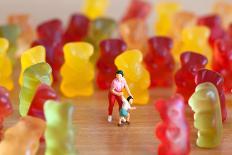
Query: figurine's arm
point(116, 93)
point(128, 90)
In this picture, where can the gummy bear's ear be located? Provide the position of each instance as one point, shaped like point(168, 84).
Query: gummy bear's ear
point(190, 57)
point(160, 41)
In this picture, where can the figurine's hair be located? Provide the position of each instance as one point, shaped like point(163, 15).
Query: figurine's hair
point(129, 98)
point(120, 72)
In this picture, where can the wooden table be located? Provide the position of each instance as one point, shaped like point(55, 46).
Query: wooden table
point(96, 136)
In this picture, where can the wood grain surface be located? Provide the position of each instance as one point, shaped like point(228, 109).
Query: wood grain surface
point(95, 136)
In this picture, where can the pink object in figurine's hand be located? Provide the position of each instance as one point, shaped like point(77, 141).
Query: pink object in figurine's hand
point(185, 77)
point(43, 93)
point(139, 9)
point(173, 131)
point(205, 75)
point(159, 61)
point(5, 106)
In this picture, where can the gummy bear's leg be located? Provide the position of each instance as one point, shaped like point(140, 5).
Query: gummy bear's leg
point(119, 100)
point(112, 99)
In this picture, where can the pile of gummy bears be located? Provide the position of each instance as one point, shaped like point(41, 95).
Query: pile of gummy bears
point(191, 52)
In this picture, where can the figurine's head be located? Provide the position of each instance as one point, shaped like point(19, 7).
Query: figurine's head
point(119, 74)
point(130, 99)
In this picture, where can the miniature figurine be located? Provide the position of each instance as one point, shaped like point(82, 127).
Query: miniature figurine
point(116, 93)
point(124, 111)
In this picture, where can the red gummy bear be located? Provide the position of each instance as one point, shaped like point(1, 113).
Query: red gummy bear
point(109, 50)
point(205, 75)
point(50, 36)
point(214, 23)
point(77, 28)
point(222, 55)
point(139, 9)
point(185, 77)
point(159, 61)
point(5, 107)
point(43, 93)
point(173, 131)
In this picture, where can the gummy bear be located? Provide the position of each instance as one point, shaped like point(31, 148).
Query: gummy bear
point(43, 93)
point(196, 39)
point(95, 8)
point(222, 61)
point(214, 23)
point(50, 35)
point(205, 103)
point(224, 10)
point(100, 29)
point(30, 57)
point(5, 65)
point(11, 32)
point(32, 78)
point(165, 12)
point(191, 63)
point(159, 61)
point(205, 75)
point(77, 72)
point(139, 9)
point(5, 107)
point(59, 133)
point(77, 28)
point(136, 75)
point(22, 20)
point(23, 137)
point(173, 131)
point(110, 49)
point(134, 33)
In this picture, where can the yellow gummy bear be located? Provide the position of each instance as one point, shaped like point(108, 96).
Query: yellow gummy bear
point(138, 78)
point(165, 11)
point(30, 57)
point(195, 38)
point(77, 71)
point(5, 65)
point(205, 103)
point(95, 8)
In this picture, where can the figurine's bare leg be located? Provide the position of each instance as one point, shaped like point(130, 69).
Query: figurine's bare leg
point(128, 117)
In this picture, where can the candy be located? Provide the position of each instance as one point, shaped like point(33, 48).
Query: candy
point(5, 107)
point(50, 35)
point(5, 65)
point(205, 103)
point(191, 63)
point(100, 29)
point(23, 137)
point(137, 77)
point(43, 93)
point(30, 57)
point(59, 133)
point(22, 20)
point(214, 23)
point(205, 75)
point(95, 8)
point(165, 12)
point(110, 49)
point(196, 39)
point(32, 78)
point(139, 9)
point(173, 131)
point(224, 10)
point(77, 28)
point(11, 33)
point(77, 72)
point(134, 33)
point(159, 61)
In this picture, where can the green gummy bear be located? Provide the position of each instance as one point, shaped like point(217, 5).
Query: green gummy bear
point(32, 77)
point(101, 28)
point(59, 134)
point(11, 32)
point(205, 103)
